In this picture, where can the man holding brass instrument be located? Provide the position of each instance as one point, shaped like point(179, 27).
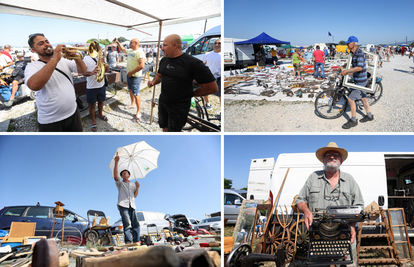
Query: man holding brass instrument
point(95, 89)
point(51, 78)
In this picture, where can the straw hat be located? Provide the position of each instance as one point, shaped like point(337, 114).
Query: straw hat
point(331, 146)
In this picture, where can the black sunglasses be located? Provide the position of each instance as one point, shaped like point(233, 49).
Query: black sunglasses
point(31, 36)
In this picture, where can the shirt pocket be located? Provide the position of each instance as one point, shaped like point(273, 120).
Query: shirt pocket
point(346, 198)
point(314, 194)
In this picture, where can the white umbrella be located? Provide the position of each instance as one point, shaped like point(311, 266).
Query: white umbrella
point(139, 159)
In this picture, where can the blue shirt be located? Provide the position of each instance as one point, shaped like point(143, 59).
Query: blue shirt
point(358, 60)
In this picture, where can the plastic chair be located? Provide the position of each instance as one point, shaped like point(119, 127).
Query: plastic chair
point(97, 227)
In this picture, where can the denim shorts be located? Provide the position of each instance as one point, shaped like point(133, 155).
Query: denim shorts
point(357, 94)
point(96, 94)
point(134, 84)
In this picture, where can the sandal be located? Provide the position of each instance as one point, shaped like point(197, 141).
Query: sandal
point(137, 120)
point(104, 118)
point(128, 107)
point(94, 128)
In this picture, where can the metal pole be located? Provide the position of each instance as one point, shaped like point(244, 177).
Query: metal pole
point(156, 70)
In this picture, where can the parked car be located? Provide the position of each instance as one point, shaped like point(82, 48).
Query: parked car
point(213, 223)
point(144, 218)
point(193, 221)
point(43, 216)
point(232, 204)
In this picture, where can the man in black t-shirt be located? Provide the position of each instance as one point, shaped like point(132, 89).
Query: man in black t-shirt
point(177, 71)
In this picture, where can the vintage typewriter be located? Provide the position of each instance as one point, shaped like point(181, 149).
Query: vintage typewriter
point(330, 235)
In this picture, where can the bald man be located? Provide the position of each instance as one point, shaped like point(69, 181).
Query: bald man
point(135, 64)
point(177, 71)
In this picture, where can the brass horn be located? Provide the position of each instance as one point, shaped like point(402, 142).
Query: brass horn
point(93, 50)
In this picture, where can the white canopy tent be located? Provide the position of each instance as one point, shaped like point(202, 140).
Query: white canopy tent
point(122, 13)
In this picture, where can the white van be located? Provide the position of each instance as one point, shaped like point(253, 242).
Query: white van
point(367, 168)
point(260, 176)
point(237, 56)
point(204, 43)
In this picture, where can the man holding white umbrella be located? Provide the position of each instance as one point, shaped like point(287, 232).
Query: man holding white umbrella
point(127, 192)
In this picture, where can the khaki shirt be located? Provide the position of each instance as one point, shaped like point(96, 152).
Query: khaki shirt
point(317, 191)
point(126, 194)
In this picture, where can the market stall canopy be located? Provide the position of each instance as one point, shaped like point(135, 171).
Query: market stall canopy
point(263, 39)
point(122, 13)
point(188, 39)
point(288, 46)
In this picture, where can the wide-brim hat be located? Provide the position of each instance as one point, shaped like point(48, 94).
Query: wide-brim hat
point(320, 153)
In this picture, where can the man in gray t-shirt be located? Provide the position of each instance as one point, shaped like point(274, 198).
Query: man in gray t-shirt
point(127, 192)
point(330, 187)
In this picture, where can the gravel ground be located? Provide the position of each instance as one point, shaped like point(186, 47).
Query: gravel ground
point(392, 113)
point(24, 117)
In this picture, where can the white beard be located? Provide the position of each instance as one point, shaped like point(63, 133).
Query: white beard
point(331, 168)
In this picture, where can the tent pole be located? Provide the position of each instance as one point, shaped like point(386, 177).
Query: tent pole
point(156, 71)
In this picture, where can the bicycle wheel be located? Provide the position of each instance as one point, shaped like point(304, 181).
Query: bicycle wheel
point(197, 111)
point(330, 104)
point(374, 97)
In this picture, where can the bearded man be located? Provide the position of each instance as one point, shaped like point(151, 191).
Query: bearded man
point(330, 187)
point(51, 78)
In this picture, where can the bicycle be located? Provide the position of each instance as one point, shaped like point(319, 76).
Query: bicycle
point(332, 103)
point(198, 109)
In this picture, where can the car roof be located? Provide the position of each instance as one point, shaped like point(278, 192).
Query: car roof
point(40, 206)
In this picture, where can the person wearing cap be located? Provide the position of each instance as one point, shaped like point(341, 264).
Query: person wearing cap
point(329, 187)
point(359, 72)
point(127, 192)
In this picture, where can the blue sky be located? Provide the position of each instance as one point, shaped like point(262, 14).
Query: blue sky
point(239, 150)
point(306, 22)
point(63, 31)
point(74, 170)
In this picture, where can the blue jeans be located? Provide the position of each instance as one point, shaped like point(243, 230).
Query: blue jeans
point(317, 65)
point(130, 223)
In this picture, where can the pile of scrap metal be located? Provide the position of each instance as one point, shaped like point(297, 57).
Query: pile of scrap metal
point(271, 80)
point(46, 254)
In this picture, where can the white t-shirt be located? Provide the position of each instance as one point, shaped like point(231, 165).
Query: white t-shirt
point(213, 61)
point(91, 83)
point(4, 60)
point(56, 101)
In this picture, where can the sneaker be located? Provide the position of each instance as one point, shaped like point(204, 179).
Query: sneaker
point(366, 118)
point(350, 124)
point(9, 103)
point(208, 106)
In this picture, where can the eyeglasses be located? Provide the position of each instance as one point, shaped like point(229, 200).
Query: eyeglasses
point(333, 197)
point(31, 36)
point(332, 154)
point(217, 43)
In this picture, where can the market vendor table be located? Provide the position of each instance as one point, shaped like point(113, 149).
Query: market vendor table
point(80, 83)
